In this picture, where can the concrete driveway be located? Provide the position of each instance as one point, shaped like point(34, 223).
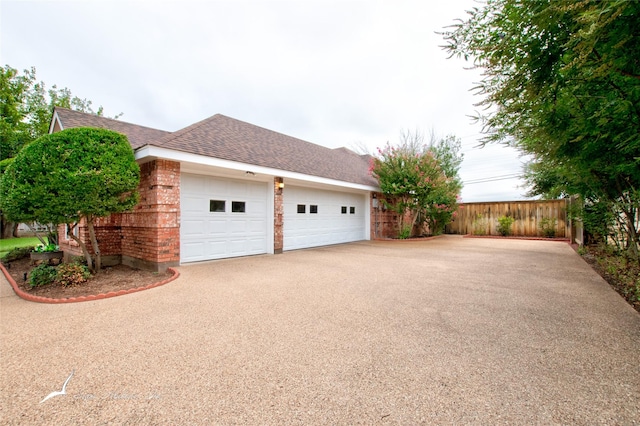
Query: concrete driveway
point(449, 330)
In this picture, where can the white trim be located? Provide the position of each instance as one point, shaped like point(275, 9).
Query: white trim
point(367, 216)
point(53, 122)
point(149, 152)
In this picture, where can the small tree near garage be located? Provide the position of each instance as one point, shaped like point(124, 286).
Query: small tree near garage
point(420, 181)
point(70, 176)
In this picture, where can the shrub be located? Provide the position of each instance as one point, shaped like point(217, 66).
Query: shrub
point(479, 225)
point(405, 232)
point(504, 225)
point(548, 227)
point(69, 274)
point(17, 254)
point(42, 274)
point(41, 248)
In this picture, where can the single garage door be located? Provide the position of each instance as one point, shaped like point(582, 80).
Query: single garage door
point(315, 217)
point(221, 218)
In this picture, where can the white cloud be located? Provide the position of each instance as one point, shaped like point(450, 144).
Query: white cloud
point(330, 72)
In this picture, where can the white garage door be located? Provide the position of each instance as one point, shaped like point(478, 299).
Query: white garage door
point(314, 217)
point(221, 218)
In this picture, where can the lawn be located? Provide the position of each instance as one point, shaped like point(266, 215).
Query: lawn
point(6, 245)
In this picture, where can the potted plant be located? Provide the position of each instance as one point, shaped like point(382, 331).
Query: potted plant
point(46, 252)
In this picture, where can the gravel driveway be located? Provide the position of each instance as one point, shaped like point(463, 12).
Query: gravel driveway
point(442, 331)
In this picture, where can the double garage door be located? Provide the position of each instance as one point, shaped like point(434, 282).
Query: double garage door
point(315, 217)
point(223, 217)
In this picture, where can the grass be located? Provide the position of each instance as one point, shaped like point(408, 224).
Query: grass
point(6, 245)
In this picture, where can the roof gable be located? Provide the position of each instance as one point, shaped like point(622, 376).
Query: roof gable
point(138, 135)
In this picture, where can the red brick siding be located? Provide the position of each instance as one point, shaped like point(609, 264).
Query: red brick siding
point(384, 223)
point(278, 211)
point(149, 236)
point(151, 233)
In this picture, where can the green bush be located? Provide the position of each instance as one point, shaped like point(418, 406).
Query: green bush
point(405, 232)
point(479, 225)
point(17, 254)
point(42, 274)
point(504, 225)
point(69, 274)
point(548, 227)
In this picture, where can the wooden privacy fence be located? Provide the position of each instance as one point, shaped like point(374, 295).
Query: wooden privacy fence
point(482, 218)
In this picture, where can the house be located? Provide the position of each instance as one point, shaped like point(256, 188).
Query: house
point(223, 188)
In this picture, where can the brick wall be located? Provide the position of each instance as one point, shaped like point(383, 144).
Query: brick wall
point(278, 211)
point(384, 223)
point(149, 236)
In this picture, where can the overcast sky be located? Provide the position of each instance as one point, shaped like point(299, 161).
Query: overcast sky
point(335, 73)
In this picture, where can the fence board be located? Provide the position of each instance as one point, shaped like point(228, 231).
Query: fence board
point(527, 215)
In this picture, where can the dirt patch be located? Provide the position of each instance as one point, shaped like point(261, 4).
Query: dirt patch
point(622, 274)
point(113, 278)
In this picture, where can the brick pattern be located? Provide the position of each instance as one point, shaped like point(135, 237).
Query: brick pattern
point(149, 236)
point(151, 233)
point(384, 223)
point(278, 212)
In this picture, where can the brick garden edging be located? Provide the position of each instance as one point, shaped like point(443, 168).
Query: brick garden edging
point(496, 237)
point(40, 299)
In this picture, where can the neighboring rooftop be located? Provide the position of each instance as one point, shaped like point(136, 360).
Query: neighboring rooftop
point(234, 140)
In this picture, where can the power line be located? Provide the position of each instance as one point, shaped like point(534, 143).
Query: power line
point(493, 179)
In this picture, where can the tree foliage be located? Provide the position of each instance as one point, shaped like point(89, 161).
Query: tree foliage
point(69, 176)
point(561, 82)
point(420, 181)
point(26, 107)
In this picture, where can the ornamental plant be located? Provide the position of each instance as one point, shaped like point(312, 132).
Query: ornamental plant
point(42, 274)
point(548, 227)
point(504, 225)
point(46, 248)
point(75, 175)
point(419, 181)
point(69, 274)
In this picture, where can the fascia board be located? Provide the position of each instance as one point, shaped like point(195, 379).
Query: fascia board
point(53, 122)
point(150, 152)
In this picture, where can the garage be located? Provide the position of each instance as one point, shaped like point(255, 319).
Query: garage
point(222, 218)
point(316, 217)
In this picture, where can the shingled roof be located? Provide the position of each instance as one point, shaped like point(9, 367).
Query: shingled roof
point(138, 135)
point(230, 139)
point(234, 140)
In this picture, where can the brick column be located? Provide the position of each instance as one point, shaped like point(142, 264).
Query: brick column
point(278, 211)
point(151, 233)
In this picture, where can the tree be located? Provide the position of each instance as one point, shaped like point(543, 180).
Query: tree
point(26, 107)
point(69, 176)
point(420, 181)
point(561, 82)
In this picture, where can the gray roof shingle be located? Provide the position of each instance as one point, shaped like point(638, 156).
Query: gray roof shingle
point(230, 139)
point(234, 140)
point(138, 135)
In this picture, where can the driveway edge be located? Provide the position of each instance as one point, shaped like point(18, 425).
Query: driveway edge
point(40, 299)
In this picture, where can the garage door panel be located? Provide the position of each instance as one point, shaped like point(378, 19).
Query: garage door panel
point(193, 250)
point(208, 235)
point(192, 227)
point(216, 227)
point(215, 250)
point(328, 225)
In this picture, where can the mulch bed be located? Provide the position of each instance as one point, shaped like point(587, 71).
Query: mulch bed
point(110, 279)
